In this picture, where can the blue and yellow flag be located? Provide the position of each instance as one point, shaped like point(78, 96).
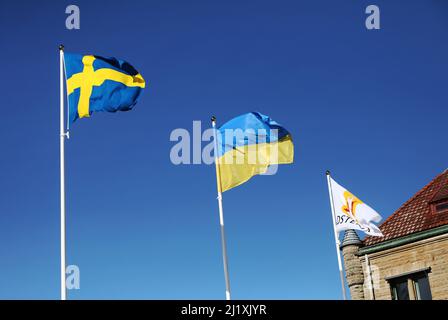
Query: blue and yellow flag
point(248, 145)
point(96, 83)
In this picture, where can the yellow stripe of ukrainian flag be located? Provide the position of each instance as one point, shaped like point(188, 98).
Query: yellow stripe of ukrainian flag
point(241, 163)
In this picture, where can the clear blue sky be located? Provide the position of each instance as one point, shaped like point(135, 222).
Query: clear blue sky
point(369, 105)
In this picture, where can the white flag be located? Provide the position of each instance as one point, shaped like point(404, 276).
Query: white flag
point(352, 213)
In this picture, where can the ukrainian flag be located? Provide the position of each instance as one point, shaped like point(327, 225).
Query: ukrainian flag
point(248, 145)
point(96, 83)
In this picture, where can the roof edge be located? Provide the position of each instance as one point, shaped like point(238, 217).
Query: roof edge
point(389, 244)
point(419, 192)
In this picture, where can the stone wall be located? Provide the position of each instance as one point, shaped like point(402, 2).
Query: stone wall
point(432, 253)
point(353, 272)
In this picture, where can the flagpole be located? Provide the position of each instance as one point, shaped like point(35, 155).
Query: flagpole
point(62, 167)
point(336, 238)
point(221, 214)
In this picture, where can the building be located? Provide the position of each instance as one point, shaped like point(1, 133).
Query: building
point(411, 261)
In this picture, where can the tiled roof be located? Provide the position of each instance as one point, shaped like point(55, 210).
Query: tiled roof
point(415, 215)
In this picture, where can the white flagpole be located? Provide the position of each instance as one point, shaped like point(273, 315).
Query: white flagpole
point(336, 238)
point(221, 214)
point(62, 160)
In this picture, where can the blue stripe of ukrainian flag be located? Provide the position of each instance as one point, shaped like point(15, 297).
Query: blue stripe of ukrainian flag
point(97, 83)
point(248, 145)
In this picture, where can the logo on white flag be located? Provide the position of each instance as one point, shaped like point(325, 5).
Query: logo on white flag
point(351, 213)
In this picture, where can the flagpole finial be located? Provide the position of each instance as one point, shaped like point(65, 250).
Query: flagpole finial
point(61, 47)
point(213, 118)
point(327, 172)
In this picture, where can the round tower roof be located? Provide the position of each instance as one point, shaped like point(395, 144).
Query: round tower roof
point(350, 238)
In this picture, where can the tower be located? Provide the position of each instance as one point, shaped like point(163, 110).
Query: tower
point(353, 267)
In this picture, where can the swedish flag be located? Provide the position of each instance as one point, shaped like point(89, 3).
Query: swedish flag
point(97, 83)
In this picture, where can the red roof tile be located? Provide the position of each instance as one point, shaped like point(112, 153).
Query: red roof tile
point(415, 215)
